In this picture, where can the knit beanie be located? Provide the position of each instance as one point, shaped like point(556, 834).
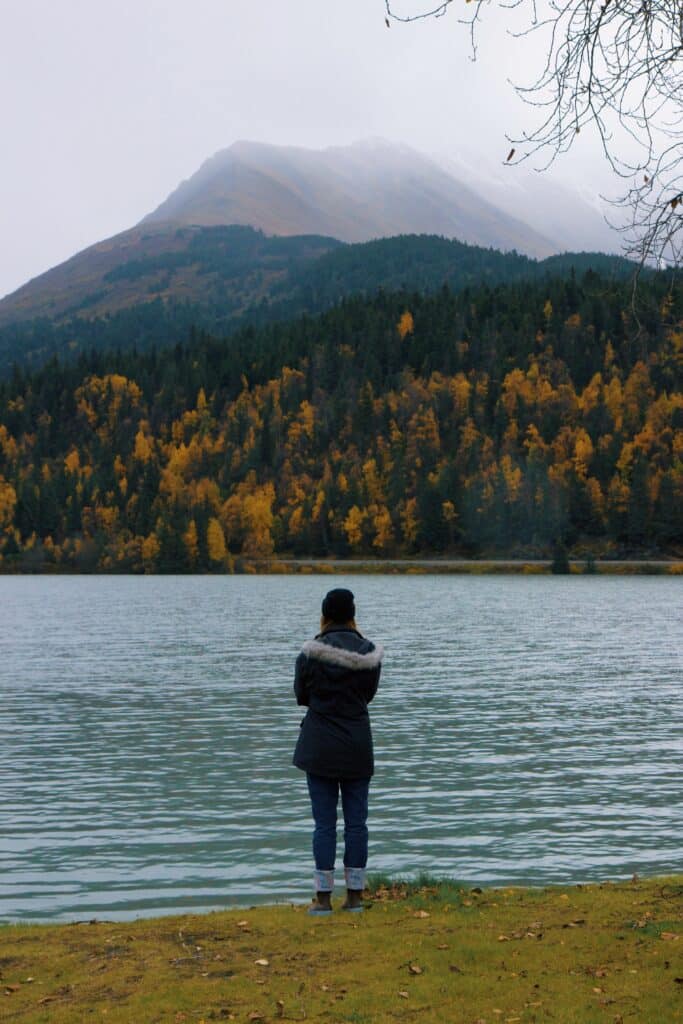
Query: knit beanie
point(338, 605)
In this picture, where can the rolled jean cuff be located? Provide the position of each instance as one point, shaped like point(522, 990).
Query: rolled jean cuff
point(355, 878)
point(324, 881)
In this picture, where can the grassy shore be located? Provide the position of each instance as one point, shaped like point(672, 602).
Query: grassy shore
point(428, 953)
point(394, 566)
point(466, 567)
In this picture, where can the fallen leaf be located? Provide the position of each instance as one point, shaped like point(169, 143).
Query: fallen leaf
point(46, 999)
point(564, 896)
point(442, 946)
point(242, 924)
point(262, 962)
point(9, 989)
point(503, 938)
point(669, 936)
point(421, 913)
point(414, 969)
point(404, 995)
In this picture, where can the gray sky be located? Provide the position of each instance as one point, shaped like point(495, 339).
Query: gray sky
point(107, 104)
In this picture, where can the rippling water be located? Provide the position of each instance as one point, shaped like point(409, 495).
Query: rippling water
point(527, 730)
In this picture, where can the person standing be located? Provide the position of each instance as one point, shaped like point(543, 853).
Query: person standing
point(336, 677)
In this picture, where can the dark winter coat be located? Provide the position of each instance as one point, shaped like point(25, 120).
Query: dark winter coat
point(336, 677)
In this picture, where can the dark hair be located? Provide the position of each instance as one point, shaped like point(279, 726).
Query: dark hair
point(338, 605)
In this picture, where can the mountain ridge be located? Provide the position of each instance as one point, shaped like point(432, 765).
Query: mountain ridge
point(354, 193)
point(247, 278)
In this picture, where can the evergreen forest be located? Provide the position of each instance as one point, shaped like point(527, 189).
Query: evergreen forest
point(497, 419)
point(224, 278)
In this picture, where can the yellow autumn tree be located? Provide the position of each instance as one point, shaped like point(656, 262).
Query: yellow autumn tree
point(8, 501)
point(406, 324)
point(384, 530)
point(191, 541)
point(143, 447)
point(257, 512)
point(72, 461)
point(215, 541)
point(353, 526)
point(149, 552)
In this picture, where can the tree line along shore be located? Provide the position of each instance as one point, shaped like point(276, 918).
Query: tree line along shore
point(533, 421)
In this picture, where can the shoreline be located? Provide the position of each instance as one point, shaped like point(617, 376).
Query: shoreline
point(483, 566)
point(396, 566)
point(594, 952)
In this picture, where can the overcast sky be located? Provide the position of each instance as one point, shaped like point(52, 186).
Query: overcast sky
point(107, 104)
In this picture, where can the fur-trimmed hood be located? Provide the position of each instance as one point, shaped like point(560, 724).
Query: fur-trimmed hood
point(342, 657)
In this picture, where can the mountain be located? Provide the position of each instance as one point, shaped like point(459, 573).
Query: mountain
point(352, 194)
point(372, 189)
point(577, 218)
point(262, 231)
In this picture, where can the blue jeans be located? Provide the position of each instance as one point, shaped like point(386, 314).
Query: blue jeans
point(324, 799)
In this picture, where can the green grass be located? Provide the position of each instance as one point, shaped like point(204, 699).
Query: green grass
point(424, 950)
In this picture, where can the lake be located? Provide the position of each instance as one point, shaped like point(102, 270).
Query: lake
point(527, 730)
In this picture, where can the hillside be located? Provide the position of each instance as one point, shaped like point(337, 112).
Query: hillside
point(234, 266)
point(217, 279)
point(499, 420)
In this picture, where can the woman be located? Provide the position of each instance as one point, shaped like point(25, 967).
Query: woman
point(336, 678)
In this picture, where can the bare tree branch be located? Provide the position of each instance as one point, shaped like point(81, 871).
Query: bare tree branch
point(615, 66)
